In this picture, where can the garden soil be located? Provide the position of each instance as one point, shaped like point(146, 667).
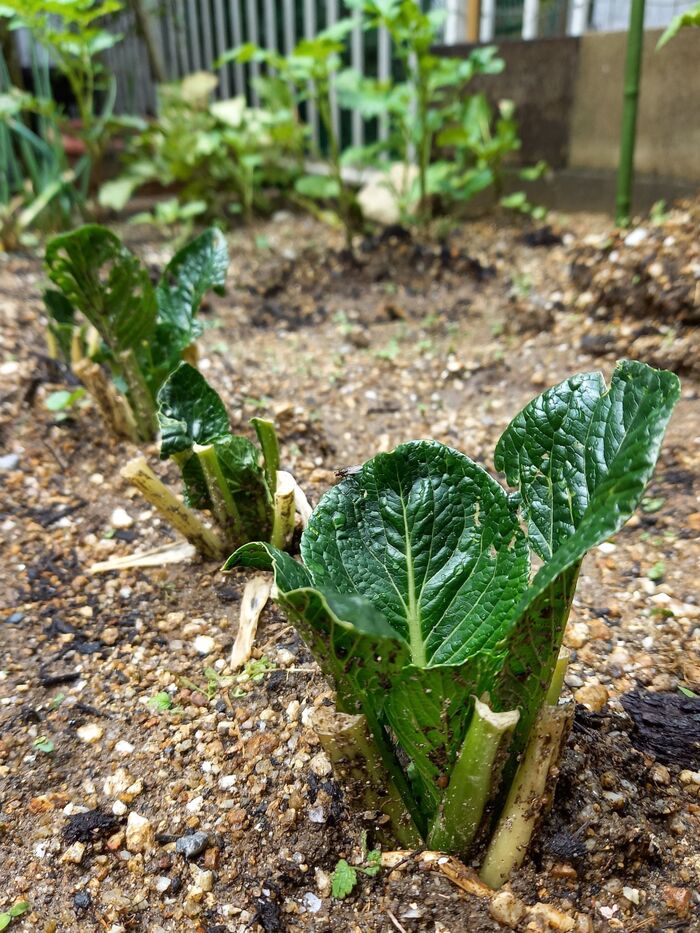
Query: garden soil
point(142, 790)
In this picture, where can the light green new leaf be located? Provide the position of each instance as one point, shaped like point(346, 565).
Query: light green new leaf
point(344, 879)
point(318, 187)
point(103, 279)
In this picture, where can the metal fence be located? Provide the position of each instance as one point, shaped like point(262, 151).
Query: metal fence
point(191, 34)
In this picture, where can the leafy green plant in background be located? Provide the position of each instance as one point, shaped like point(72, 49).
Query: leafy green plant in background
point(105, 314)
point(241, 485)
point(311, 69)
point(416, 597)
point(429, 109)
point(691, 17)
point(224, 156)
point(72, 33)
point(36, 190)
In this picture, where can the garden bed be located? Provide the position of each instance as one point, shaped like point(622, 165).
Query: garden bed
point(412, 340)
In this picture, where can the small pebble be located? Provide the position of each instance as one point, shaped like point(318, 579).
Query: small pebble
point(9, 462)
point(139, 833)
point(192, 845)
point(593, 696)
point(312, 902)
point(74, 854)
point(90, 733)
point(121, 518)
point(204, 644)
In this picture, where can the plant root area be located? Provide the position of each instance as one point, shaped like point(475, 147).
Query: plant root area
point(144, 787)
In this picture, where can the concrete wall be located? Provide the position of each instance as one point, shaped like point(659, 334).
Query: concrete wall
point(569, 94)
point(668, 131)
point(540, 77)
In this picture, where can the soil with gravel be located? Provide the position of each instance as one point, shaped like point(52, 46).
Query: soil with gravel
point(142, 789)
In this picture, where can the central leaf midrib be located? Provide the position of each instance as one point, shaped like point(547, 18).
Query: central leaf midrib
point(413, 618)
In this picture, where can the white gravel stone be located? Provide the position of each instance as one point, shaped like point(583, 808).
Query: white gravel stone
point(90, 733)
point(204, 644)
point(74, 854)
point(121, 518)
point(139, 833)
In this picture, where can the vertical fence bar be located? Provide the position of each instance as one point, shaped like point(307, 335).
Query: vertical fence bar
point(578, 18)
point(331, 20)
point(487, 23)
point(270, 25)
point(290, 32)
point(237, 30)
point(309, 33)
point(163, 25)
point(207, 38)
point(531, 13)
point(193, 35)
point(357, 58)
point(184, 66)
point(251, 9)
point(455, 22)
point(383, 73)
point(221, 46)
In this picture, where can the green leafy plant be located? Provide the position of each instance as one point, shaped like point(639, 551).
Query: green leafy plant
point(137, 332)
point(691, 17)
point(62, 401)
point(72, 32)
point(162, 702)
point(427, 108)
point(240, 484)
point(344, 877)
point(416, 597)
point(224, 156)
point(36, 190)
point(312, 70)
point(7, 916)
point(43, 744)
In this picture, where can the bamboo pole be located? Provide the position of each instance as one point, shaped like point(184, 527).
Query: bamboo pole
point(633, 68)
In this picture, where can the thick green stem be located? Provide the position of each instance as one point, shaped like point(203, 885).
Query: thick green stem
point(472, 781)
point(366, 782)
point(557, 681)
point(267, 437)
point(285, 511)
point(224, 507)
point(140, 396)
point(525, 801)
point(633, 68)
point(172, 510)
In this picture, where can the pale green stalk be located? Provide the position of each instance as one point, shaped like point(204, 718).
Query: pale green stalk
point(473, 780)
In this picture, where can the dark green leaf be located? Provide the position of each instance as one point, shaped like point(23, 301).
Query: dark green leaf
point(431, 540)
point(543, 452)
point(189, 412)
point(595, 486)
point(198, 267)
point(100, 277)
